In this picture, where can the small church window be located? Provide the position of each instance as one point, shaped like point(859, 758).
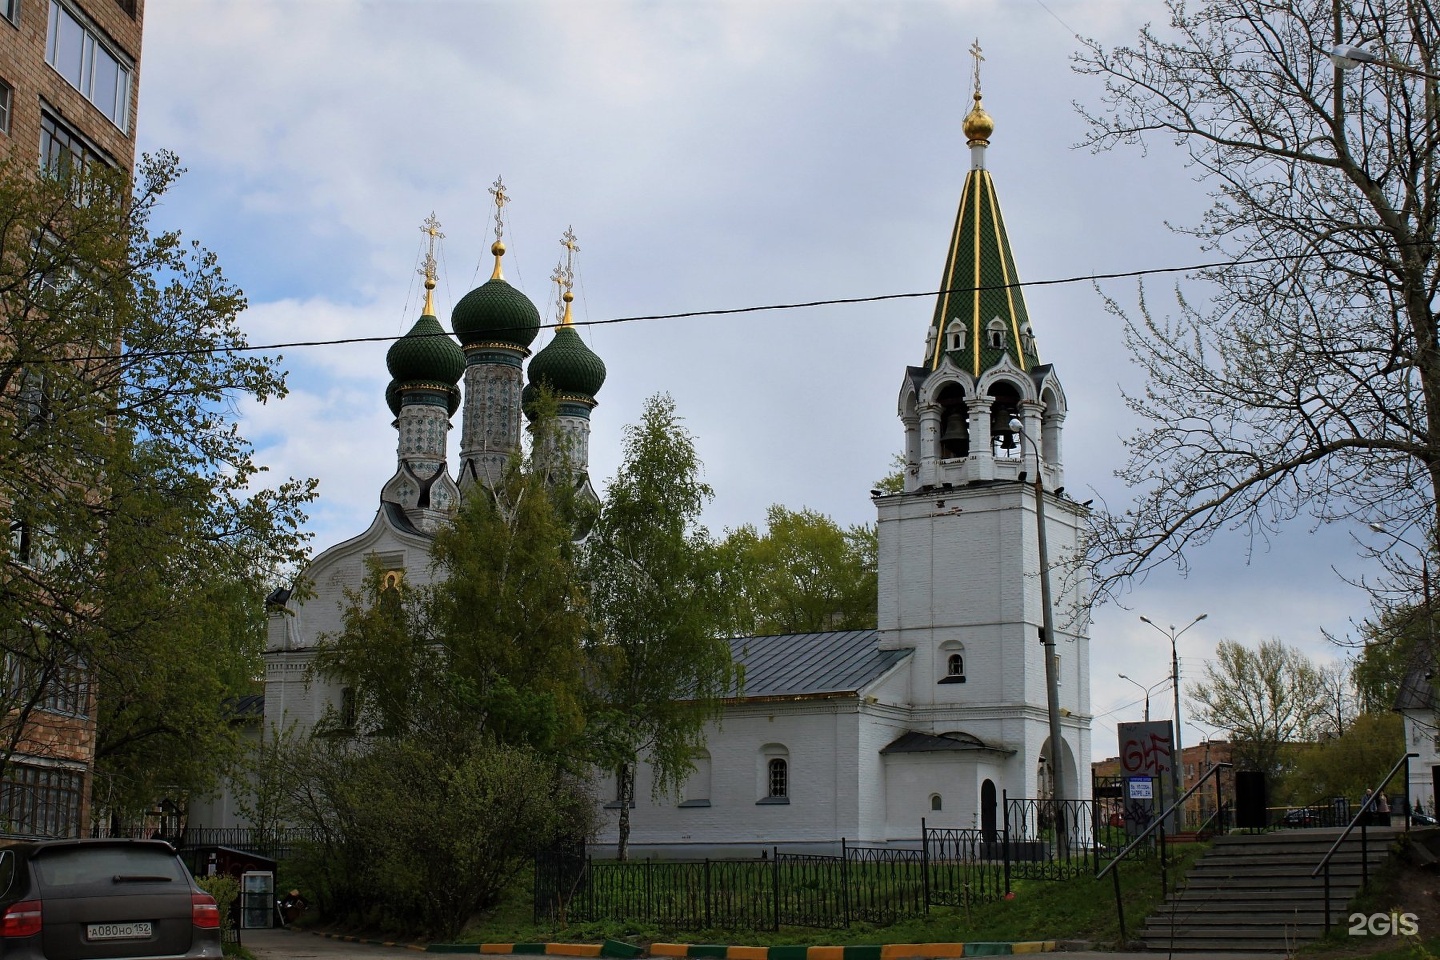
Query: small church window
point(934, 801)
point(953, 670)
point(349, 714)
point(779, 777)
point(956, 334)
point(997, 333)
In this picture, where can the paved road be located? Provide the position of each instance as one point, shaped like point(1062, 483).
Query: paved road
point(299, 945)
point(293, 945)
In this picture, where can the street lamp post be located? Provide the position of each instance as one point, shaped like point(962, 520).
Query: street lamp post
point(1173, 636)
point(1347, 56)
point(1153, 686)
point(1047, 615)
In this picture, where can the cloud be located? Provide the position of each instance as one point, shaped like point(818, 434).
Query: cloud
point(708, 154)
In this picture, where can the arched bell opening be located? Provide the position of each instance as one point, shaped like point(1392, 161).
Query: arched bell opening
point(954, 422)
point(1005, 406)
point(1050, 419)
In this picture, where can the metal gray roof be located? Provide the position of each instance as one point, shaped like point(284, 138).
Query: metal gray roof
point(801, 664)
point(1417, 689)
point(913, 741)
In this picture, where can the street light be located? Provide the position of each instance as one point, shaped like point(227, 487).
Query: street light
point(1347, 56)
point(1174, 635)
point(1047, 616)
point(1154, 686)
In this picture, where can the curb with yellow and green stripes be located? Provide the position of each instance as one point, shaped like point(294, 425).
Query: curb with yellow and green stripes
point(889, 951)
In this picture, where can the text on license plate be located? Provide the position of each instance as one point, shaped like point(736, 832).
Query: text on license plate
point(118, 931)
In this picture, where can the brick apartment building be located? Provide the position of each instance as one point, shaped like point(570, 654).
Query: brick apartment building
point(69, 81)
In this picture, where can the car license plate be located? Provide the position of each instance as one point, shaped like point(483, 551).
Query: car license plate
point(118, 931)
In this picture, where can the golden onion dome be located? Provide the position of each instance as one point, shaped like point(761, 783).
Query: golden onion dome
point(978, 124)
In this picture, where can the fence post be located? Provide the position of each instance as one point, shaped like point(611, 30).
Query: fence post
point(707, 893)
point(649, 902)
point(925, 862)
point(776, 885)
point(1005, 840)
point(845, 881)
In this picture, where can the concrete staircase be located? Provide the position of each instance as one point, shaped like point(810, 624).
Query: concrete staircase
point(1255, 893)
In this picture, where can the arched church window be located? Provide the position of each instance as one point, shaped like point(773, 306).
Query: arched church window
point(996, 329)
point(773, 773)
point(935, 801)
point(954, 422)
point(779, 778)
point(1004, 406)
point(955, 334)
point(953, 662)
point(349, 714)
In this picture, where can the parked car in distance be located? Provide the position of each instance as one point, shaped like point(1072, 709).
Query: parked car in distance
point(1422, 820)
point(1301, 817)
point(103, 900)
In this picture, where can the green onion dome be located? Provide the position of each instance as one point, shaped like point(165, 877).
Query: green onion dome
point(396, 389)
point(566, 365)
point(496, 312)
point(426, 355)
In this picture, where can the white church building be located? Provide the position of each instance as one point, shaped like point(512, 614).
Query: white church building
point(938, 713)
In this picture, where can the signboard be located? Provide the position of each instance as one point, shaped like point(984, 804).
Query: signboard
point(1141, 788)
point(1146, 748)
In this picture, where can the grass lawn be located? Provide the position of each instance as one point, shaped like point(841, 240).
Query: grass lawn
point(1078, 909)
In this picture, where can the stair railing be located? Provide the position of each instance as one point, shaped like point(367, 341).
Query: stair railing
point(1362, 818)
point(1157, 823)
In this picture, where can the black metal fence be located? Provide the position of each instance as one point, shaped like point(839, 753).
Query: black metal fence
point(279, 843)
point(963, 867)
point(1059, 839)
point(952, 867)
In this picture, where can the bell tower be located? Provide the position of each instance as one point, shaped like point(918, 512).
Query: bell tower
point(959, 565)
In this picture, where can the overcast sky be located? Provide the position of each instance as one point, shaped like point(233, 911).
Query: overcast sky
point(708, 155)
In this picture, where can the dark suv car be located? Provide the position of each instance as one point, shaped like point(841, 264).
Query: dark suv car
point(103, 900)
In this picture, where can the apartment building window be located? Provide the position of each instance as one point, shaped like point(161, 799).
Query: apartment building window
point(7, 99)
point(10, 10)
point(64, 152)
point(61, 687)
point(67, 691)
point(40, 801)
point(77, 52)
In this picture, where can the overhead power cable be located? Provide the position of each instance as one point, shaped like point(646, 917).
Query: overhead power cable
point(720, 311)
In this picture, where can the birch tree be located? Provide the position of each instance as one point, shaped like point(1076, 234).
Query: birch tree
point(661, 666)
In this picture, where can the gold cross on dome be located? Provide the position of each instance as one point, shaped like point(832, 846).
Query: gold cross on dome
point(567, 240)
point(979, 59)
point(557, 277)
point(431, 226)
point(497, 190)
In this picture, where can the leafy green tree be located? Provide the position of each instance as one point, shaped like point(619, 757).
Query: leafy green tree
point(1389, 644)
point(804, 574)
point(1309, 383)
point(894, 481)
point(1266, 698)
point(660, 667)
point(1347, 765)
point(494, 646)
point(415, 833)
point(140, 532)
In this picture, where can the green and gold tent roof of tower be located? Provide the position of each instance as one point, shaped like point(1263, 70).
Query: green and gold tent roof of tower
point(980, 283)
